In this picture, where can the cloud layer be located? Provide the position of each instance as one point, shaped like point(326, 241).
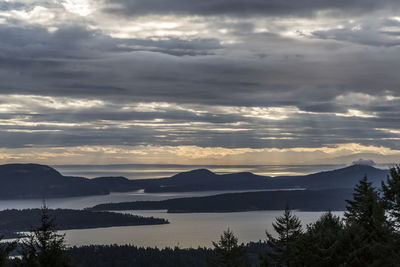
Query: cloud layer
point(241, 76)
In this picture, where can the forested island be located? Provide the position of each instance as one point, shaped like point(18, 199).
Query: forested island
point(12, 221)
point(305, 200)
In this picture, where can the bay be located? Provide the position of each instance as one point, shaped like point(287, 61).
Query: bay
point(185, 229)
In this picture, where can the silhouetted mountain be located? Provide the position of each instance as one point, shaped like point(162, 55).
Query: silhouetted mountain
point(344, 178)
point(40, 181)
point(194, 175)
point(115, 184)
point(200, 180)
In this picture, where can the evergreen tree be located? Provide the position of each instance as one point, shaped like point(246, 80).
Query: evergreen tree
point(369, 235)
point(44, 247)
point(321, 243)
point(264, 260)
point(228, 253)
point(5, 250)
point(365, 206)
point(283, 248)
point(391, 196)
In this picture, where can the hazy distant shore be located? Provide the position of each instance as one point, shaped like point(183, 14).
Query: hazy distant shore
point(145, 171)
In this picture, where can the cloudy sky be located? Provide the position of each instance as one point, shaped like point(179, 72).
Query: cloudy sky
point(199, 82)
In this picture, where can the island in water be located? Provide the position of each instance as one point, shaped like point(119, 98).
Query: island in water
point(304, 200)
point(14, 221)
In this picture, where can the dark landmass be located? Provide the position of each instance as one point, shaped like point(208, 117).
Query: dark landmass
point(127, 255)
point(204, 180)
point(115, 184)
point(66, 219)
point(40, 181)
point(306, 200)
point(20, 181)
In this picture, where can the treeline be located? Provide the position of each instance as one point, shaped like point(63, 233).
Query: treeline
point(129, 255)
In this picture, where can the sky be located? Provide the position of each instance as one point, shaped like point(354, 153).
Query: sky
point(199, 82)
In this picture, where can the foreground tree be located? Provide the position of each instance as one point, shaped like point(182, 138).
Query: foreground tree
point(228, 252)
point(44, 247)
point(368, 234)
point(283, 248)
point(391, 196)
point(5, 250)
point(321, 243)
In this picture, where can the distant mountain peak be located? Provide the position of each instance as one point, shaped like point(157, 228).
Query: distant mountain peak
point(28, 168)
point(201, 171)
point(361, 167)
point(362, 161)
point(197, 173)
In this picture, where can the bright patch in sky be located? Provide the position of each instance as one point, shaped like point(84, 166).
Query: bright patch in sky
point(79, 7)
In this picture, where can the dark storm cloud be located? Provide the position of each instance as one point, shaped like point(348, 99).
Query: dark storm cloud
point(365, 32)
point(74, 61)
point(334, 85)
point(170, 115)
point(77, 61)
point(200, 136)
point(77, 42)
point(147, 76)
point(179, 127)
point(243, 8)
point(323, 107)
point(171, 46)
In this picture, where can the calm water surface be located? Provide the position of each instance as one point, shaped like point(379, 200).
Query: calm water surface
point(187, 230)
point(89, 201)
point(184, 230)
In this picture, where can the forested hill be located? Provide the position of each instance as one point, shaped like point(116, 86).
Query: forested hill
point(24, 220)
point(306, 200)
point(40, 181)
